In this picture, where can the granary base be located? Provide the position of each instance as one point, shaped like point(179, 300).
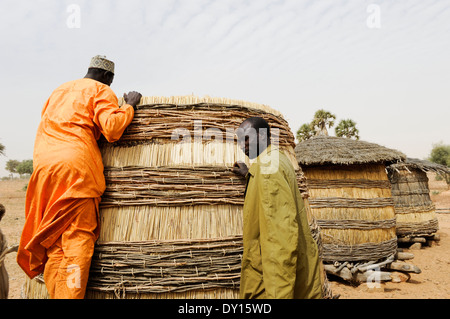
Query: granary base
point(417, 242)
point(372, 271)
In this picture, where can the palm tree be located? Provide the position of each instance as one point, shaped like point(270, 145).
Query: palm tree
point(2, 149)
point(321, 120)
point(305, 132)
point(347, 128)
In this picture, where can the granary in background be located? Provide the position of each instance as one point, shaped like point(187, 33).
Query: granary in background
point(171, 215)
point(350, 196)
point(414, 209)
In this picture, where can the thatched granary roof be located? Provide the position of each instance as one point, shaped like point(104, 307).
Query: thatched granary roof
point(423, 165)
point(320, 150)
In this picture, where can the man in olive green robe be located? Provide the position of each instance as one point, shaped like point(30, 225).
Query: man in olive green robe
point(280, 258)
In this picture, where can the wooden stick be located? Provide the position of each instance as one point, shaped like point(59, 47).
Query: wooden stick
point(373, 276)
point(344, 273)
point(389, 260)
point(400, 266)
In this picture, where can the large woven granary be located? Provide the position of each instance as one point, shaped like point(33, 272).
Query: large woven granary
point(414, 209)
point(171, 215)
point(350, 197)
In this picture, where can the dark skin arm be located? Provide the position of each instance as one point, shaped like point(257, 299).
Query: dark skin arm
point(132, 98)
point(240, 168)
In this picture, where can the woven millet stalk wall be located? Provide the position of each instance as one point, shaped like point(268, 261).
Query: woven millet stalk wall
point(354, 210)
point(350, 197)
point(414, 209)
point(415, 212)
point(171, 215)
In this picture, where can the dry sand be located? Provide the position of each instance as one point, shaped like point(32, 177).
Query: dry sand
point(434, 261)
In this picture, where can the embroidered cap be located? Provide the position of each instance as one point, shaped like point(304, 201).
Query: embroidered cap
point(100, 62)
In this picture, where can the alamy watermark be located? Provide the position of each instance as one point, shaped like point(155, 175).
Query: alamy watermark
point(224, 142)
point(373, 21)
point(73, 20)
point(374, 278)
point(74, 278)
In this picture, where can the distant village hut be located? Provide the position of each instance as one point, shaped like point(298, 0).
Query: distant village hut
point(350, 197)
point(415, 212)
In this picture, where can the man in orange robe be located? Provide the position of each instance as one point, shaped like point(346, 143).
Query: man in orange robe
point(64, 191)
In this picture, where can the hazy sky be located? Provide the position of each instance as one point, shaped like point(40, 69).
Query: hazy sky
point(384, 64)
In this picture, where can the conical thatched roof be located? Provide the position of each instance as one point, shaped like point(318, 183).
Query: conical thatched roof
point(320, 150)
point(423, 165)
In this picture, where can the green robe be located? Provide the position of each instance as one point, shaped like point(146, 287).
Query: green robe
point(280, 258)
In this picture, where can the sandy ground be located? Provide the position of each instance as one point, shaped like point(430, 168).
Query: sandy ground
point(12, 196)
point(432, 283)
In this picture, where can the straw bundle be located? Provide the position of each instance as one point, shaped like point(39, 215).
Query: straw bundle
point(133, 186)
point(35, 288)
point(191, 134)
point(414, 209)
point(171, 215)
point(167, 266)
point(350, 197)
